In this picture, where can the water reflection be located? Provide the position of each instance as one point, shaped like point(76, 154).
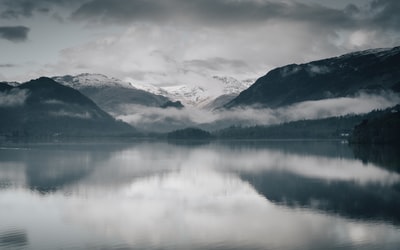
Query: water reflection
point(13, 239)
point(368, 202)
point(385, 156)
point(49, 167)
point(246, 195)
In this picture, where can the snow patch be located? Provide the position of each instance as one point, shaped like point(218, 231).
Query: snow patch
point(90, 80)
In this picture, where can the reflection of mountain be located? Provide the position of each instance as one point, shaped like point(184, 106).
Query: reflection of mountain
point(346, 198)
point(50, 168)
point(330, 149)
point(385, 156)
point(14, 239)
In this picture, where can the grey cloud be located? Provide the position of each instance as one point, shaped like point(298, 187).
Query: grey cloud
point(213, 11)
point(17, 8)
point(14, 33)
point(7, 65)
point(387, 14)
point(216, 63)
point(380, 14)
point(13, 9)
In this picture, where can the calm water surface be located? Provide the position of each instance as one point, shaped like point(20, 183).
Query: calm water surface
point(231, 195)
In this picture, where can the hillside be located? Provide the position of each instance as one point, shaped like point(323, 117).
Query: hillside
point(371, 71)
point(112, 95)
point(43, 107)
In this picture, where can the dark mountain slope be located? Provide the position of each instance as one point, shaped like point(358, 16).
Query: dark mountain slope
point(43, 107)
point(370, 71)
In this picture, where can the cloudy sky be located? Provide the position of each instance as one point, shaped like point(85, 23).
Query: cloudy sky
point(167, 42)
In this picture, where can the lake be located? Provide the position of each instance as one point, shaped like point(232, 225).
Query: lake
point(193, 195)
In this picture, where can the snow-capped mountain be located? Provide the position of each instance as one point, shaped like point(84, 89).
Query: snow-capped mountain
point(111, 94)
point(90, 80)
point(193, 96)
point(189, 95)
point(232, 85)
point(196, 95)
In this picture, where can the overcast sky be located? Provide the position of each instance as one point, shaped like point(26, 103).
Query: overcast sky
point(168, 42)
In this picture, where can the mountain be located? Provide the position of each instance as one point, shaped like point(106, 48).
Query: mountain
point(371, 71)
point(43, 107)
point(111, 94)
point(199, 95)
point(231, 89)
point(219, 101)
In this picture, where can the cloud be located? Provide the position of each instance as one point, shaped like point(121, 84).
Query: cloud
point(362, 103)
point(381, 14)
point(225, 12)
point(165, 120)
point(7, 65)
point(175, 42)
point(216, 64)
point(13, 98)
point(14, 33)
point(15, 9)
point(170, 55)
point(386, 14)
point(64, 113)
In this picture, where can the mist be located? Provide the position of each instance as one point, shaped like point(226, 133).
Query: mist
point(13, 98)
point(165, 120)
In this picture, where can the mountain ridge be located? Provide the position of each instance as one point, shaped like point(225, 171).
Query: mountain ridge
point(111, 94)
point(43, 107)
point(345, 75)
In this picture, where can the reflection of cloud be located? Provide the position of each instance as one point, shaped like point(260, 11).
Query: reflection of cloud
point(191, 186)
point(175, 197)
point(151, 158)
point(303, 165)
point(12, 174)
point(183, 210)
